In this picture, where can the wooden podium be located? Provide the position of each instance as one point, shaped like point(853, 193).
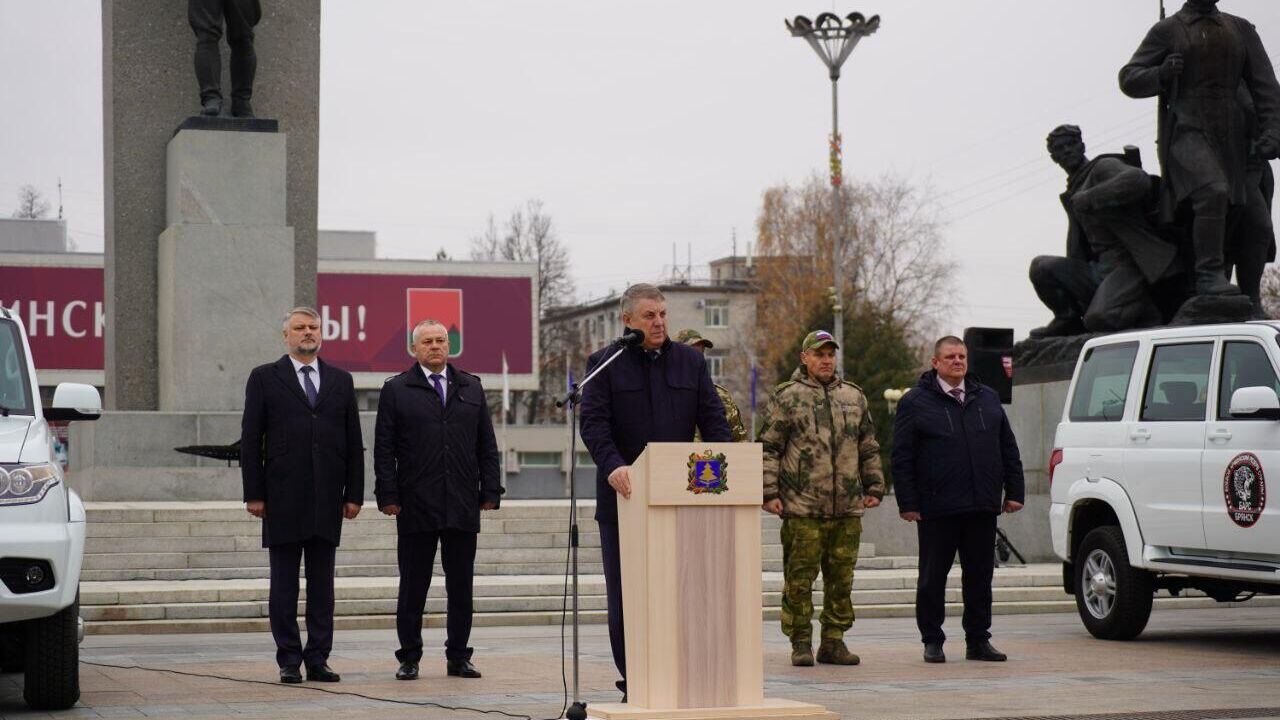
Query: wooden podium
point(690, 543)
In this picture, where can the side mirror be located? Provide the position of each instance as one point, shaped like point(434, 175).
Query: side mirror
point(1255, 403)
point(74, 401)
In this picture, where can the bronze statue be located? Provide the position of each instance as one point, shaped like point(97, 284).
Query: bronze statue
point(1197, 61)
point(207, 18)
point(1114, 253)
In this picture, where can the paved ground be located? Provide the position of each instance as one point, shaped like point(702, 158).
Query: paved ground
point(1189, 665)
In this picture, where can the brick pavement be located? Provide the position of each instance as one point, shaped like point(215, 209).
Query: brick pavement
point(1189, 665)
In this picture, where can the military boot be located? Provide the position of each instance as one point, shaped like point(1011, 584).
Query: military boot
point(834, 652)
point(802, 653)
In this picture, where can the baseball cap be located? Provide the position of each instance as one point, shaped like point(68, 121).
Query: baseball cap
point(689, 336)
point(817, 339)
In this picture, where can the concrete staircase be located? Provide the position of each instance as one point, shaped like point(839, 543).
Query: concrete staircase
point(199, 567)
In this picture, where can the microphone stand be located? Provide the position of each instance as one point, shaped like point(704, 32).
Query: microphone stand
point(578, 710)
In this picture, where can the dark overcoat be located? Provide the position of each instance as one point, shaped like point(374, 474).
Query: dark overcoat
point(637, 400)
point(304, 462)
point(950, 458)
point(438, 463)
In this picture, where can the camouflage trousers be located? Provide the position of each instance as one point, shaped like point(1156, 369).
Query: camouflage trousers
point(810, 545)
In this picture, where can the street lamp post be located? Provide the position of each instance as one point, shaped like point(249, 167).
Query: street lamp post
point(833, 39)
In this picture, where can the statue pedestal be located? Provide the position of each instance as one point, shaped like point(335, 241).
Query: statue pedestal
point(225, 274)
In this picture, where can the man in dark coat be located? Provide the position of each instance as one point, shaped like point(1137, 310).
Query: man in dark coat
point(1114, 253)
point(302, 463)
point(657, 391)
point(206, 18)
point(955, 469)
point(436, 461)
point(1196, 61)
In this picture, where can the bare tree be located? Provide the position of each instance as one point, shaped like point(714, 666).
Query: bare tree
point(891, 258)
point(31, 203)
point(528, 235)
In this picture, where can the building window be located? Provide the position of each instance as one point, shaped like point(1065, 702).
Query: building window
point(584, 459)
point(539, 459)
point(715, 364)
point(717, 313)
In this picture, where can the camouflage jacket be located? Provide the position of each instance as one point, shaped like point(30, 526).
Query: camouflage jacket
point(731, 414)
point(812, 435)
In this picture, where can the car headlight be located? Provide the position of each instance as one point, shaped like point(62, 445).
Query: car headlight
point(26, 484)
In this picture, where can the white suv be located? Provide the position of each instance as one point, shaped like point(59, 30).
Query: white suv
point(41, 529)
point(1158, 473)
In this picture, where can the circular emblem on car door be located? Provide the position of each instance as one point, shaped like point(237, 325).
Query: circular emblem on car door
point(1245, 489)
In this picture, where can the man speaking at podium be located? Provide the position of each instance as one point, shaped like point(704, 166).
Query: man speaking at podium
point(656, 391)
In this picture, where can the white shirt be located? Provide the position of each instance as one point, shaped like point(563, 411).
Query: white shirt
point(315, 373)
point(444, 380)
point(948, 387)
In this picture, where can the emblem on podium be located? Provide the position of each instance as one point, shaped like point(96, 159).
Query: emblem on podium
point(708, 473)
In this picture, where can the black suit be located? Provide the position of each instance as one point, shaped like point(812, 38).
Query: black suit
point(636, 400)
point(438, 463)
point(305, 463)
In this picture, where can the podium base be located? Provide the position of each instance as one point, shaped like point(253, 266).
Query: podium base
point(768, 710)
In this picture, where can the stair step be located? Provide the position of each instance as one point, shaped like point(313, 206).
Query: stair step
point(387, 621)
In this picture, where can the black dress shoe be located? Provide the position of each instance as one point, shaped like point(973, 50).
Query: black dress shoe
point(322, 673)
point(984, 651)
point(933, 653)
point(211, 107)
point(241, 108)
point(290, 675)
point(463, 668)
point(407, 671)
point(622, 687)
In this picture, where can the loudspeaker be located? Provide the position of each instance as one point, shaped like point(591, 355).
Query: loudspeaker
point(991, 358)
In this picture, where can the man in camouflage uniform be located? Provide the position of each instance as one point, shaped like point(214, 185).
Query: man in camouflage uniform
point(821, 470)
point(693, 338)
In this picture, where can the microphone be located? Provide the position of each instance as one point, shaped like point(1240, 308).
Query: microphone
point(632, 336)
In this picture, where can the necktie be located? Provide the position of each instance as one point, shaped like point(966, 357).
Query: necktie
point(310, 387)
point(435, 380)
point(958, 394)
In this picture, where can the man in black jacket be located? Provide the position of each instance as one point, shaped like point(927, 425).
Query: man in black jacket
point(436, 461)
point(658, 391)
point(955, 468)
point(302, 463)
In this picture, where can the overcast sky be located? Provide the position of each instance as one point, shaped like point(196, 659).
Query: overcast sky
point(643, 125)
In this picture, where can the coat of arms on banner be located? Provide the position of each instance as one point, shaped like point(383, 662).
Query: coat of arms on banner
point(444, 305)
point(708, 473)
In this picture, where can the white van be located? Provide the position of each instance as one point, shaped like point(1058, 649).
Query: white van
point(1158, 473)
point(41, 529)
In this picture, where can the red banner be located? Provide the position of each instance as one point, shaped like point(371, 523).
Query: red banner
point(367, 317)
point(62, 310)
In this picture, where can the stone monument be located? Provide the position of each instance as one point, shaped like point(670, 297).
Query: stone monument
point(147, 92)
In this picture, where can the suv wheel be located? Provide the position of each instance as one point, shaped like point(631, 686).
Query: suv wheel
point(52, 680)
point(11, 649)
point(1112, 597)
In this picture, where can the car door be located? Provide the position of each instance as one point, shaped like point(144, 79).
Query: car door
point(1165, 443)
point(1238, 454)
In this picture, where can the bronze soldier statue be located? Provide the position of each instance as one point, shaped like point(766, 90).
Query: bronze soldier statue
point(206, 18)
point(1114, 253)
point(1197, 61)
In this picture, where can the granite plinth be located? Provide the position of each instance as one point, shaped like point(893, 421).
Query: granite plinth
point(223, 291)
point(149, 88)
point(226, 178)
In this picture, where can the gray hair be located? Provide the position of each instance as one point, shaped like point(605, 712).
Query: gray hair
point(640, 291)
point(413, 335)
point(300, 310)
point(946, 340)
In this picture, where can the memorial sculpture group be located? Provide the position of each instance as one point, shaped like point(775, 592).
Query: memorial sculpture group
point(1146, 250)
